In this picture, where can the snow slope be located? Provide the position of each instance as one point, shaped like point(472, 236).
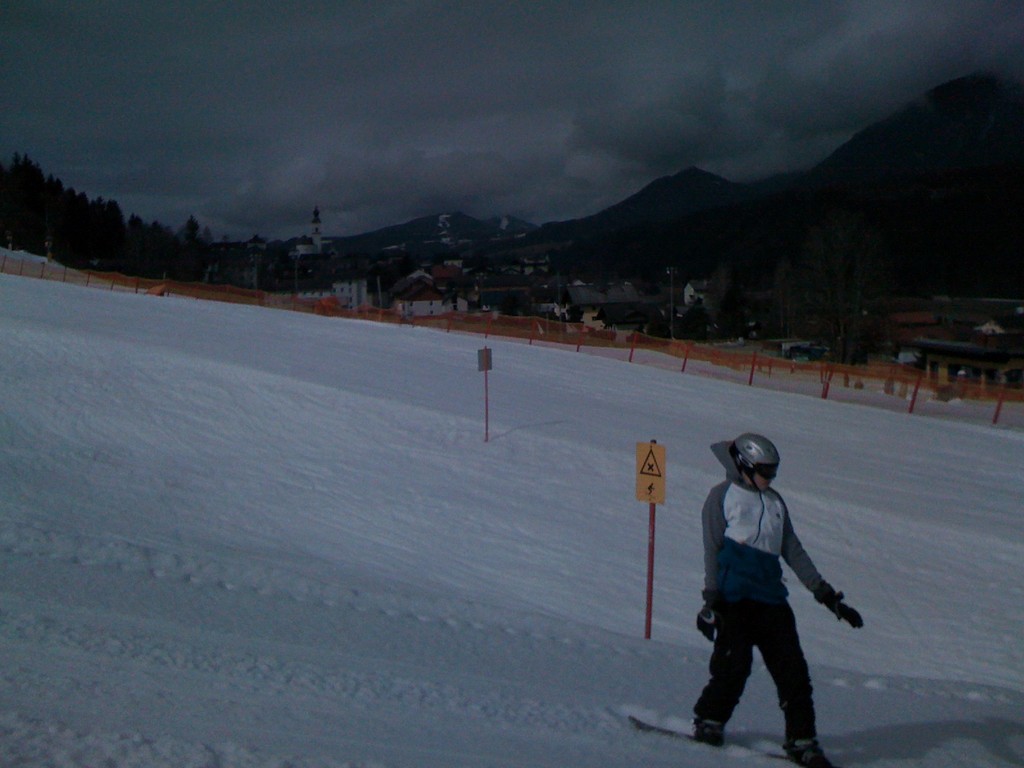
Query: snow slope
point(243, 537)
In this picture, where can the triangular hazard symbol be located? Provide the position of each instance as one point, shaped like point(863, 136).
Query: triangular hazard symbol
point(650, 465)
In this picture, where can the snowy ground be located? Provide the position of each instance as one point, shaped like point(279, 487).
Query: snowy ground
point(244, 537)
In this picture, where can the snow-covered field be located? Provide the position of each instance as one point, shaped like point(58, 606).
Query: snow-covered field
point(243, 537)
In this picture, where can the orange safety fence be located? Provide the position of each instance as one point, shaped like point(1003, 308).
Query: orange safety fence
point(115, 281)
point(888, 385)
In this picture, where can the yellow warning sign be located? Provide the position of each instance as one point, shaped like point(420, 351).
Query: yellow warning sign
point(650, 472)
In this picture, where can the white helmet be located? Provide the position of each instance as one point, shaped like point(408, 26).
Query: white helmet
point(755, 453)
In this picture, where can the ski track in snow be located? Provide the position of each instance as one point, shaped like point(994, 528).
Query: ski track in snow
point(356, 673)
point(356, 668)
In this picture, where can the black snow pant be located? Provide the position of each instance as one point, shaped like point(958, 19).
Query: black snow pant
point(772, 630)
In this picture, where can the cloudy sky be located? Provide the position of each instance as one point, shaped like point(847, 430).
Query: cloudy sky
point(247, 114)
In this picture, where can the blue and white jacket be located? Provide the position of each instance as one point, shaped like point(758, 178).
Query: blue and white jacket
point(746, 532)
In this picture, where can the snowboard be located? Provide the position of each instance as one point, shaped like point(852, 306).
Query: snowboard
point(646, 727)
point(640, 725)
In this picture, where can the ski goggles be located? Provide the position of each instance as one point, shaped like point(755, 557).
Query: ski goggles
point(767, 471)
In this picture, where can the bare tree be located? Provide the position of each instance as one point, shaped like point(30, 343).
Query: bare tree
point(782, 296)
point(725, 303)
point(843, 267)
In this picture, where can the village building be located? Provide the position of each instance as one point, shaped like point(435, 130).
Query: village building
point(417, 296)
point(991, 353)
point(695, 292)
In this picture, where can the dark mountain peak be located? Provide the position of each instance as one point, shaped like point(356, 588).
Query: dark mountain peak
point(969, 122)
point(669, 197)
point(664, 199)
point(980, 91)
point(693, 172)
point(688, 181)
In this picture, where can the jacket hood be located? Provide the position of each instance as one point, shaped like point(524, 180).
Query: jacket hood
point(721, 451)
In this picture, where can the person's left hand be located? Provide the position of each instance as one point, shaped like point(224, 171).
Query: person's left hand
point(833, 600)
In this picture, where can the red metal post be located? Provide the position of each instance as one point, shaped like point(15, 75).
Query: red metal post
point(753, 365)
point(826, 380)
point(650, 573)
point(917, 386)
point(999, 404)
point(686, 357)
point(487, 411)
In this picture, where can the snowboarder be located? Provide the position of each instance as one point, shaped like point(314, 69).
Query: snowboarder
point(746, 530)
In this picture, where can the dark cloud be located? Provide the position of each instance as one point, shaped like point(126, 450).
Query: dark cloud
point(249, 114)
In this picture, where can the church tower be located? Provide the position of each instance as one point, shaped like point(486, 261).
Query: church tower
point(317, 236)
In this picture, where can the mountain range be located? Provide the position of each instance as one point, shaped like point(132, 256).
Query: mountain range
point(941, 180)
point(437, 233)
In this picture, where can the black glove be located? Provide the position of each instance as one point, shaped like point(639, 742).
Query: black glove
point(709, 620)
point(833, 600)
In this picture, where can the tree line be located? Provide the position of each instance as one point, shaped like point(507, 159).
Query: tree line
point(40, 215)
